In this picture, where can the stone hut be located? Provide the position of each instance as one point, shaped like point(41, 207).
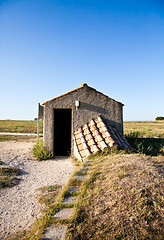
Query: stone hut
point(81, 122)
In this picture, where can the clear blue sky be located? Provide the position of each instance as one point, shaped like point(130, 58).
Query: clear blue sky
point(48, 47)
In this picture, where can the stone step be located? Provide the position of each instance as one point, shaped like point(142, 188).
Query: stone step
point(69, 199)
point(86, 166)
point(73, 189)
point(83, 170)
point(80, 177)
point(88, 162)
point(56, 232)
point(63, 213)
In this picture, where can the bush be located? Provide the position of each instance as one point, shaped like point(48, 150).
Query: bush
point(41, 153)
point(159, 118)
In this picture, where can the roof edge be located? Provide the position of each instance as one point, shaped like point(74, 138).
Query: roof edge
point(83, 85)
point(104, 95)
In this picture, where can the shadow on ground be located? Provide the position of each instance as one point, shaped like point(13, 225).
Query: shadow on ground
point(148, 146)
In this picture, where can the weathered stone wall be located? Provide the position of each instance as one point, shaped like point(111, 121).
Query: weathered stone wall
point(92, 104)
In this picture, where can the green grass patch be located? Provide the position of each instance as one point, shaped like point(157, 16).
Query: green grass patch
point(6, 181)
point(4, 138)
point(148, 146)
point(48, 194)
point(41, 153)
point(76, 161)
point(8, 176)
point(20, 126)
point(9, 171)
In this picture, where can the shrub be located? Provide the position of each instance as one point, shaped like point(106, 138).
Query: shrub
point(148, 146)
point(134, 134)
point(159, 118)
point(41, 153)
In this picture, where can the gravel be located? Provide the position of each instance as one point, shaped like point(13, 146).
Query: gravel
point(18, 205)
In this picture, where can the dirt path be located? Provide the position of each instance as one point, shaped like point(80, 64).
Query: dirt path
point(18, 205)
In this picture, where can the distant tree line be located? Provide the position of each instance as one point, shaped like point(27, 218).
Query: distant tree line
point(159, 118)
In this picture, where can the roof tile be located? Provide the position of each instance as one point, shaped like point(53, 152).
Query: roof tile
point(80, 147)
point(95, 136)
point(95, 148)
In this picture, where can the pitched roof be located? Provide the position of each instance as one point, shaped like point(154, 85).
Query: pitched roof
point(96, 136)
point(83, 85)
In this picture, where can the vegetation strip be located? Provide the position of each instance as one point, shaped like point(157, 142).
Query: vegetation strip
point(18, 126)
point(140, 128)
point(149, 129)
point(8, 176)
point(4, 138)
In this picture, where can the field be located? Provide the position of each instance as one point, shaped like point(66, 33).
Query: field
point(139, 128)
point(17, 126)
point(144, 128)
point(144, 136)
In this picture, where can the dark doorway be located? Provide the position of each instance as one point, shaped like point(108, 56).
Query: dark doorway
point(62, 132)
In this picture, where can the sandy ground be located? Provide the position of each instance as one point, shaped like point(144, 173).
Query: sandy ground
point(18, 205)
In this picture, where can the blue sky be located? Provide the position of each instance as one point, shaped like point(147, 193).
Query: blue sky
point(48, 47)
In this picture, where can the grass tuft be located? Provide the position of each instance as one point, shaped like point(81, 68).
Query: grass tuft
point(6, 181)
point(41, 153)
point(9, 171)
point(8, 176)
point(109, 151)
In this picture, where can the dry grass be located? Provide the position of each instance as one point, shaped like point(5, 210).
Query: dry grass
point(48, 194)
point(145, 128)
point(122, 200)
point(146, 137)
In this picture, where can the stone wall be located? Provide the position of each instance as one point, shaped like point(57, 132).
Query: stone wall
point(92, 104)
